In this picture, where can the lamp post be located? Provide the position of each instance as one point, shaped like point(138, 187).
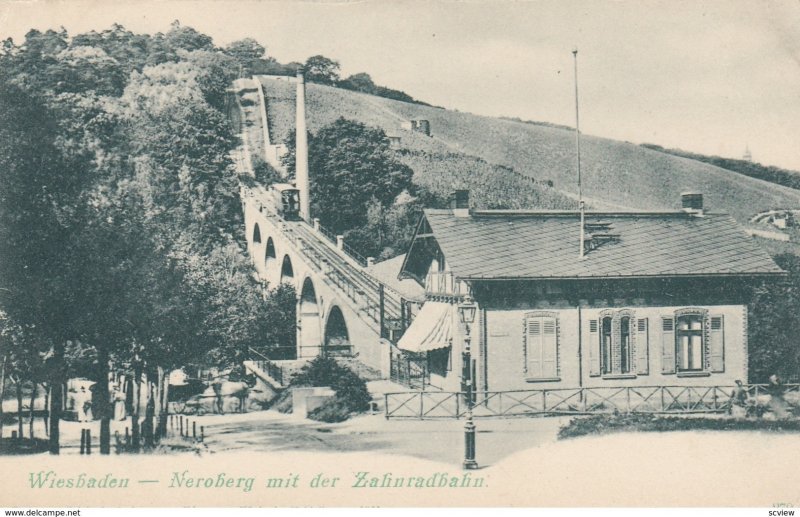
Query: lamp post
point(466, 312)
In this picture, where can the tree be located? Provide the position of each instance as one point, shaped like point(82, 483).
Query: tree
point(40, 212)
point(774, 326)
point(214, 73)
point(119, 216)
point(388, 229)
point(181, 37)
point(246, 52)
point(130, 50)
point(83, 68)
point(359, 82)
point(351, 164)
point(320, 69)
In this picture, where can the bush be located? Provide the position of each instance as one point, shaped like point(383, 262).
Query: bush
point(265, 173)
point(334, 410)
point(604, 424)
point(351, 396)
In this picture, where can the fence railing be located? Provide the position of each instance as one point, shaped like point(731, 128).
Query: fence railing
point(576, 401)
point(265, 364)
point(349, 276)
point(445, 283)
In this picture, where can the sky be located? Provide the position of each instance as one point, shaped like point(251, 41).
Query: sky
point(713, 77)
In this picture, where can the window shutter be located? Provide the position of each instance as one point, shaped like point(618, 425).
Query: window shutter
point(717, 344)
point(642, 347)
point(594, 349)
point(667, 345)
point(534, 348)
point(549, 348)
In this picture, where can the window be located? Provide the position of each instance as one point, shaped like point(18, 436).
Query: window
point(625, 345)
point(606, 346)
point(618, 344)
point(541, 346)
point(693, 342)
point(689, 337)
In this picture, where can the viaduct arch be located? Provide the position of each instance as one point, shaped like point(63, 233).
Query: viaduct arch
point(332, 315)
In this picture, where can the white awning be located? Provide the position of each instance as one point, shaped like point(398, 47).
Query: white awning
point(430, 330)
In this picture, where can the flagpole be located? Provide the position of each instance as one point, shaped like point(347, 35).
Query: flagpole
point(578, 151)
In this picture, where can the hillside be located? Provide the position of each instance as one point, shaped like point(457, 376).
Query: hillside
point(615, 174)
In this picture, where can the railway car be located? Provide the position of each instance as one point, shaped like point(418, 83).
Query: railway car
point(287, 200)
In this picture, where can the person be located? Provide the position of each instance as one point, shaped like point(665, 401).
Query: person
point(83, 405)
point(777, 404)
point(119, 402)
point(218, 405)
point(738, 402)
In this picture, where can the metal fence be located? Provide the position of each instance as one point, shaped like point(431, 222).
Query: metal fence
point(266, 365)
point(576, 401)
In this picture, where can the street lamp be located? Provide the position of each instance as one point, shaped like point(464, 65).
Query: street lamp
point(466, 312)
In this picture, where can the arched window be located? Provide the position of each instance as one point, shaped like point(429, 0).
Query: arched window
point(625, 344)
point(606, 346)
point(256, 234)
point(617, 345)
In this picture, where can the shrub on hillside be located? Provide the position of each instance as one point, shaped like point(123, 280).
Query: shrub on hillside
point(605, 424)
point(264, 172)
point(351, 396)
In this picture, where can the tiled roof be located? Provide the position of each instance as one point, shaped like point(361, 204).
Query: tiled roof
point(508, 244)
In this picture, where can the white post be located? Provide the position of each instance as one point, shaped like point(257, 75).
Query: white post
point(301, 149)
point(581, 205)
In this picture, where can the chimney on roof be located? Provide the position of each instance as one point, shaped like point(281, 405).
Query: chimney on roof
point(459, 203)
point(692, 203)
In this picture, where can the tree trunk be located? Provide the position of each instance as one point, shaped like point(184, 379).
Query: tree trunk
point(45, 412)
point(137, 393)
point(2, 392)
point(164, 403)
point(56, 398)
point(159, 402)
point(149, 412)
point(30, 413)
point(19, 408)
point(104, 410)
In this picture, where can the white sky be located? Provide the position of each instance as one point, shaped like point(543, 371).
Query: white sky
point(708, 76)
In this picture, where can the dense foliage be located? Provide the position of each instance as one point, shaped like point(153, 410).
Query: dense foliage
point(606, 424)
point(351, 165)
point(774, 325)
point(362, 82)
point(777, 175)
point(352, 395)
point(119, 212)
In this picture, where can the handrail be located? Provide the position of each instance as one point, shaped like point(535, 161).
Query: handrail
point(575, 401)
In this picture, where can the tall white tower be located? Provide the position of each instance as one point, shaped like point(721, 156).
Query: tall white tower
point(301, 150)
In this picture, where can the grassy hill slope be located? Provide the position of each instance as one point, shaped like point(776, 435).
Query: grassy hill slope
point(615, 174)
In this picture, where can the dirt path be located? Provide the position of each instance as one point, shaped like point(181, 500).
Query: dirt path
point(437, 440)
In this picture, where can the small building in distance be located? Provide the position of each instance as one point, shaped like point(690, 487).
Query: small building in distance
point(419, 126)
point(394, 141)
point(657, 299)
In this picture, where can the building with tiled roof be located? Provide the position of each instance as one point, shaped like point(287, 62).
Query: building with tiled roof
point(645, 299)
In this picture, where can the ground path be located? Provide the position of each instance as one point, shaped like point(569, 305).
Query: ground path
point(436, 440)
